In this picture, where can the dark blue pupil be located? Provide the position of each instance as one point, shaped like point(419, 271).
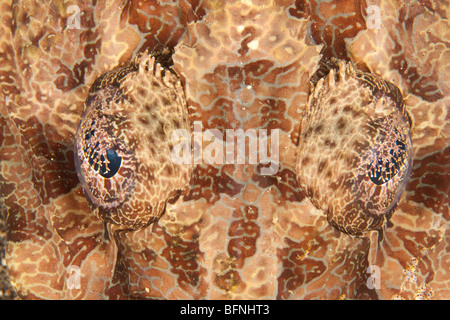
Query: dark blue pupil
point(106, 170)
point(381, 173)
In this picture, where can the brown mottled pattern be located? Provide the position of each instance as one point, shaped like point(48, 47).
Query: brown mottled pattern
point(333, 22)
point(236, 233)
point(123, 149)
point(414, 253)
point(6, 290)
point(354, 157)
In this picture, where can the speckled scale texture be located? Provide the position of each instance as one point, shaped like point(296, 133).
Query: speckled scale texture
point(123, 146)
point(355, 152)
point(235, 233)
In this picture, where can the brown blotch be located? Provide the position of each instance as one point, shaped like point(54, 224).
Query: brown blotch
point(307, 133)
point(305, 161)
point(228, 280)
point(209, 182)
point(244, 233)
point(322, 165)
point(159, 20)
point(301, 9)
point(419, 85)
point(341, 124)
point(161, 129)
point(141, 91)
point(318, 129)
point(249, 34)
point(183, 257)
point(176, 123)
point(330, 144)
point(258, 68)
point(326, 24)
point(347, 109)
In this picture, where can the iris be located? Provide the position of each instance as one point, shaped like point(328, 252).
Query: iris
point(383, 171)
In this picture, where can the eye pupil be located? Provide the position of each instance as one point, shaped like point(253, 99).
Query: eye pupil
point(114, 164)
point(107, 169)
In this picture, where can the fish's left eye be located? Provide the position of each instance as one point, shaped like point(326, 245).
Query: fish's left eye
point(123, 147)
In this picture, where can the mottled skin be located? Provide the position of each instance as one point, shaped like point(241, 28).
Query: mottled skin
point(416, 245)
point(123, 151)
point(235, 233)
point(354, 156)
